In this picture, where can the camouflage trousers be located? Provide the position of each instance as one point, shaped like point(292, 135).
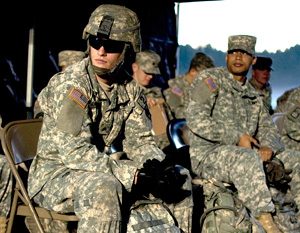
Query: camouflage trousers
point(6, 181)
point(97, 200)
point(243, 167)
point(291, 143)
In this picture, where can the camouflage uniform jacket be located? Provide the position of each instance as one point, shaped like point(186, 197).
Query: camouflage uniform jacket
point(221, 109)
point(291, 127)
point(177, 95)
point(78, 137)
point(281, 101)
point(265, 93)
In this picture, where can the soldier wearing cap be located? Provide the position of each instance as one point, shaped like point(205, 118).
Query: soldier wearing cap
point(177, 93)
point(261, 71)
point(96, 142)
point(146, 65)
point(69, 57)
point(232, 133)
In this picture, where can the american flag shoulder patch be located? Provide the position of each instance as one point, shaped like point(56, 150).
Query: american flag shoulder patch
point(211, 84)
point(177, 91)
point(80, 98)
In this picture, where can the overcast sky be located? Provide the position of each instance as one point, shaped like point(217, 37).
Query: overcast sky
point(275, 23)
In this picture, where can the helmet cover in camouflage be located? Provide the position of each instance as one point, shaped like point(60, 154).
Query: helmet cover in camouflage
point(242, 42)
point(202, 61)
point(148, 61)
point(114, 22)
point(68, 57)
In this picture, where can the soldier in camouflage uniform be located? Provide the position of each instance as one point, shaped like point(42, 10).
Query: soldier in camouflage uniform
point(144, 68)
point(96, 130)
point(177, 93)
point(261, 71)
point(69, 57)
point(231, 132)
point(65, 59)
point(6, 181)
point(280, 105)
point(291, 123)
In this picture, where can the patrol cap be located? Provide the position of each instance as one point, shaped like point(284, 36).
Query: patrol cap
point(148, 61)
point(68, 57)
point(242, 42)
point(203, 61)
point(263, 63)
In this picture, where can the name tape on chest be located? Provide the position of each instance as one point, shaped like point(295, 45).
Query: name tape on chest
point(211, 84)
point(80, 98)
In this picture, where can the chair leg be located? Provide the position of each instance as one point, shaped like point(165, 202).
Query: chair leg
point(12, 212)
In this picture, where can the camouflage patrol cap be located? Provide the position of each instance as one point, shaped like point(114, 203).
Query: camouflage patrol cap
point(68, 57)
point(263, 63)
point(242, 42)
point(114, 22)
point(148, 61)
point(202, 61)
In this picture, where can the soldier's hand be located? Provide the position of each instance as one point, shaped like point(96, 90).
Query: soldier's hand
point(163, 180)
point(150, 102)
point(265, 153)
point(247, 141)
point(277, 176)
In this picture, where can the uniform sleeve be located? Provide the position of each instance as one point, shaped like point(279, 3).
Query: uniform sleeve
point(267, 133)
point(139, 143)
point(292, 118)
point(200, 119)
point(70, 133)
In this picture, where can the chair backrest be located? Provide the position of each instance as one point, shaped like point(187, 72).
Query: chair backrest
point(177, 132)
point(19, 143)
point(21, 138)
point(278, 119)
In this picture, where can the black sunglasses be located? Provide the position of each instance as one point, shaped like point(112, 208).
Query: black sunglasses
point(110, 46)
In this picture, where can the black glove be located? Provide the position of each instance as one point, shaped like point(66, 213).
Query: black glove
point(277, 176)
point(163, 180)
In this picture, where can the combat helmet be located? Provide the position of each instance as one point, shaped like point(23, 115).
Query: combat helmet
point(114, 22)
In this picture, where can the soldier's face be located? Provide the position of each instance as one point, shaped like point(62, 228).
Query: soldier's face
point(261, 76)
point(103, 59)
point(239, 62)
point(140, 76)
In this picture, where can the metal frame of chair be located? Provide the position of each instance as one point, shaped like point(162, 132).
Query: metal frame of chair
point(19, 142)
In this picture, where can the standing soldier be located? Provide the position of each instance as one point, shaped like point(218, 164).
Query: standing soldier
point(261, 73)
point(96, 136)
point(232, 133)
point(177, 93)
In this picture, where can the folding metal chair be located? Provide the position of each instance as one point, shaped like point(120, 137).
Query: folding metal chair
point(177, 133)
point(19, 142)
point(278, 119)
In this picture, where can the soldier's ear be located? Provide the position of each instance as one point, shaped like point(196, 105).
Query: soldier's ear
point(254, 60)
point(134, 67)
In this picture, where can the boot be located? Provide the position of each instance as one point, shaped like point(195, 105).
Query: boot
point(3, 224)
point(266, 220)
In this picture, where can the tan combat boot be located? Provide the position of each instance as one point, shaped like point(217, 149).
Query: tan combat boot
point(3, 224)
point(266, 220)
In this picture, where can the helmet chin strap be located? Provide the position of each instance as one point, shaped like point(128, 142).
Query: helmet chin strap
point(110, 73)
